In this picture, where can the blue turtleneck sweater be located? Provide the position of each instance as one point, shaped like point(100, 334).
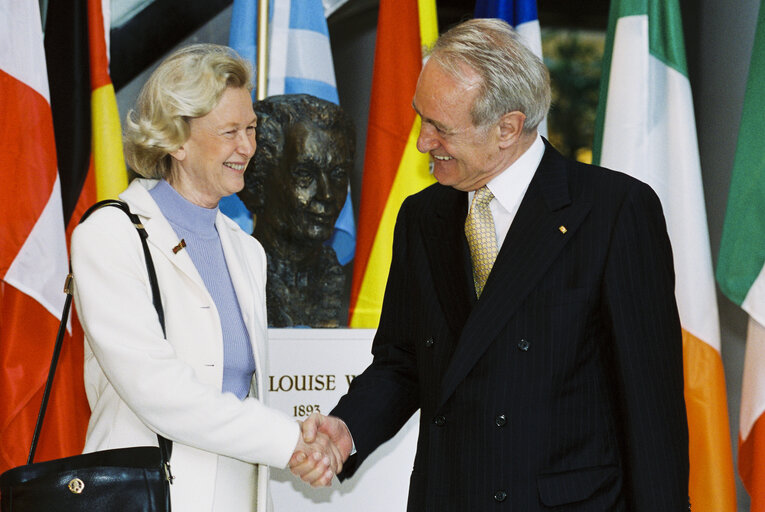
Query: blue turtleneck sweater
point(196, 226)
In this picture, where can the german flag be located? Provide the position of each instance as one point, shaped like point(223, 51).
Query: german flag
point(85, 116)
point(393, 168)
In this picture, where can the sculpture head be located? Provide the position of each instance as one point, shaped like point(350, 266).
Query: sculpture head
point(297, 182)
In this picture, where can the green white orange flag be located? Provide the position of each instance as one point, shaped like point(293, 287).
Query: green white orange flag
point(646, 127)
point(741, 268)
point(393, 168)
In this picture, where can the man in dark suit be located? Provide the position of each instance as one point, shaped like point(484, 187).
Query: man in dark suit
point(555, 383)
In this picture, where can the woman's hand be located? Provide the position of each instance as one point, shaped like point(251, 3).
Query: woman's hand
point(317, 460)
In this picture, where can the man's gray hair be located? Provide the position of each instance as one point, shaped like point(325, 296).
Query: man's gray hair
point(512, 77)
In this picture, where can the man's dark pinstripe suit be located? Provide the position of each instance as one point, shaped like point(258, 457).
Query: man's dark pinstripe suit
point(562, 387)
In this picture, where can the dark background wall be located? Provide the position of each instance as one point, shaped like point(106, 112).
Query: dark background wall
point(719, 37)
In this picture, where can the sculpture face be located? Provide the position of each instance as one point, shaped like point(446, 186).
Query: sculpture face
point(305, 193)
point(296, 185)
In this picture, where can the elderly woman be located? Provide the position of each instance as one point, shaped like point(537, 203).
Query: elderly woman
point(203, 387)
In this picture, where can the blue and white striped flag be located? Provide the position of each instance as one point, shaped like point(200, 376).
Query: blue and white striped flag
point(300, 61)
point(521, 14)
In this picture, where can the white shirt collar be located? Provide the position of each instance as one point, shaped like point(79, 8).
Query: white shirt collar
point(510, 186)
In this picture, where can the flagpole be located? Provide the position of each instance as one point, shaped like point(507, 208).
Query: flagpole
point(262, 57)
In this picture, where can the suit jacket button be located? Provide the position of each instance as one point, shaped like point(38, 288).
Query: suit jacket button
point(500, 420)
point(500, 496)
point(429, 342)
point(439, 420)
point(523, 345)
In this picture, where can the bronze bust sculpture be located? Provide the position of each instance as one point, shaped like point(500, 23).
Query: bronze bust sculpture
point(296, 185)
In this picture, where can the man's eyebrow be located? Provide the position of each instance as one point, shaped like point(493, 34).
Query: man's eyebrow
point(428, 120)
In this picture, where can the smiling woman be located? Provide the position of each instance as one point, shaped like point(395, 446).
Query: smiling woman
point(211, 163)
point(191, 137)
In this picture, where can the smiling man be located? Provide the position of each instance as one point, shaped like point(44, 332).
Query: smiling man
point(296, 185)
point(529, 312)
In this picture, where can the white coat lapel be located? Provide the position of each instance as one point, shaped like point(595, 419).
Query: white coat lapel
point(161, 234)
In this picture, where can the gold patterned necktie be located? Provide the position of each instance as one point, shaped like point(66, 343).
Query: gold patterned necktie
point(481, 237)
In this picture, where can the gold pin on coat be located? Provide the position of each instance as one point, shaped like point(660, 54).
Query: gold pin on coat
point(180, 246)
point(562, 229)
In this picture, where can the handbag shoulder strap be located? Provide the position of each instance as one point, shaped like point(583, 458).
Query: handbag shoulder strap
point(165, 445)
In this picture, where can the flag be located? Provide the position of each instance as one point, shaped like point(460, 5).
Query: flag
point(108, 160)
point(522, 15)
point(299, 61)
point(85, 116)
point(393, 168)
point(645, 126)
point(33, 261)
point(741, 269)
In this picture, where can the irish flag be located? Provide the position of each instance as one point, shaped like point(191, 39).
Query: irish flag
point(646, 127)
point(741, 268)
point(393, 168)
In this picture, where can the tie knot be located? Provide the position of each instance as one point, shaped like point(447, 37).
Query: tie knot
point(483, 196)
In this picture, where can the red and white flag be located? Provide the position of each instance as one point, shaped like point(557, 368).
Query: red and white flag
point(33, 256)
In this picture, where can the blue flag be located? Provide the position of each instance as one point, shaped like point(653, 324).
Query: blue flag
point(515, 12)
point(300, 61)
point(521, 14)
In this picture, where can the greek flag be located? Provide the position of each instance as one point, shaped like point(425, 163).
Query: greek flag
point(300, 61)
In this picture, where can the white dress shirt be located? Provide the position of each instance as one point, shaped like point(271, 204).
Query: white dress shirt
point(510, 186)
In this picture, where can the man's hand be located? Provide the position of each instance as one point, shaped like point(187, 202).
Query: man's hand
point(320, 463)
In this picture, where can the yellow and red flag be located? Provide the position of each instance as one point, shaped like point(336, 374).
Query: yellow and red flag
point(393, 168)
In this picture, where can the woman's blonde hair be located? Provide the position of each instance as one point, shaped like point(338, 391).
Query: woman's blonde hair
point(187, 84)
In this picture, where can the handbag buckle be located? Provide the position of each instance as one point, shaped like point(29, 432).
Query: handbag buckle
point(76, 485)
point(168, 474)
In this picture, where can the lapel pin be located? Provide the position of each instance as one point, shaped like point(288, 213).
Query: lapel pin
point(180, 246)
point(562, 229)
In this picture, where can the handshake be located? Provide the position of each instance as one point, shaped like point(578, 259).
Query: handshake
point(324, 445)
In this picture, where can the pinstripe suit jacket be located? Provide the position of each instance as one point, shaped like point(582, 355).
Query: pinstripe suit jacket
point(562, 387)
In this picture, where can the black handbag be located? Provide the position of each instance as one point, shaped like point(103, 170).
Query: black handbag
point(125, 479)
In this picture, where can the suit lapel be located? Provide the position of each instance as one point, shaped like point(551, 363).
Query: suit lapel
point(446, 249)
point(532, 244)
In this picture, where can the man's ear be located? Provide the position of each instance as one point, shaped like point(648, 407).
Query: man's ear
point(179, 154)
point(511, 127)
